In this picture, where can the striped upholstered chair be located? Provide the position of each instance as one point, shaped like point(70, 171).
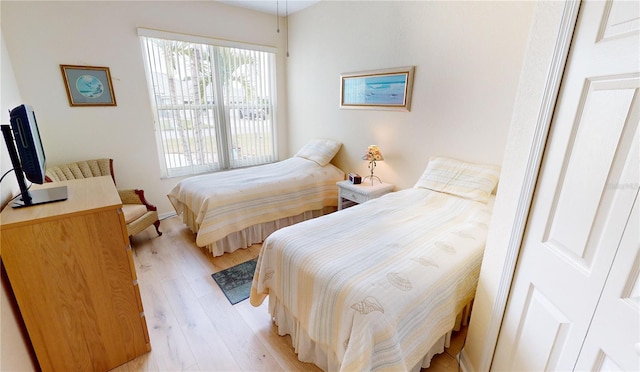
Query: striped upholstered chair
point(138, 213)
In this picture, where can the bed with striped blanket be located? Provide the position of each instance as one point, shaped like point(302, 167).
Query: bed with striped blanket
point(241, 207)
point(379, 286)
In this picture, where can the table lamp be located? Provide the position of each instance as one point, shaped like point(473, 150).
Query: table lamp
point(373, 154)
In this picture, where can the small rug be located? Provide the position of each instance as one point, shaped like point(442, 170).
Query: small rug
point(235, 281)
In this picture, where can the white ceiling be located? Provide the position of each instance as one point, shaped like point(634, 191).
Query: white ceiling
point(280, 7)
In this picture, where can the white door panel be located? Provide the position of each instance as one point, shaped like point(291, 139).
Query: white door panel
point(579, 211)
point(614, 336)
point(602, 115)
point(621, 18)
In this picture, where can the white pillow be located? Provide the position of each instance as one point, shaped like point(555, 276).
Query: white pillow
point(456, 177)
point(319, 150)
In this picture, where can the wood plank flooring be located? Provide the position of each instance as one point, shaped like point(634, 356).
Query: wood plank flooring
point(192, 325)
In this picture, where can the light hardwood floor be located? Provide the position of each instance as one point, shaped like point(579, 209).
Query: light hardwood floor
point(192, 325)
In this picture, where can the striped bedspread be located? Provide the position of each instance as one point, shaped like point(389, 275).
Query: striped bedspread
point(226, 202)
point(375, 285)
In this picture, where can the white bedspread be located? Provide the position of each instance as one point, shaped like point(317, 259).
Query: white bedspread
point(376, 285)
point(227, 202)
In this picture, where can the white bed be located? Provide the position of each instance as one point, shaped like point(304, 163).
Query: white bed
point(380, 286)
point(238, 208)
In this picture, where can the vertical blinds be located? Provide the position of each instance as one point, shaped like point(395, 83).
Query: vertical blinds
point(214, 106)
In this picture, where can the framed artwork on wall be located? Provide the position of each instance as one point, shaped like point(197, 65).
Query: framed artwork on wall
point(386, 89)
point(88, 85)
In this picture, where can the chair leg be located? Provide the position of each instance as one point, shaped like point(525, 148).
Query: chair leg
point(157, 226)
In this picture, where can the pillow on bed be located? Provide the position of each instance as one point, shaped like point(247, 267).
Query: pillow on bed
point(319, 150)
point(467, 180)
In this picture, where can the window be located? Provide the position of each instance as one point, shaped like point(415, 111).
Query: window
point(213, 102)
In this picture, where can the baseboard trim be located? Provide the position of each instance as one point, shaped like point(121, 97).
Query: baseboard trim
point(465, 366)
point(166, 215)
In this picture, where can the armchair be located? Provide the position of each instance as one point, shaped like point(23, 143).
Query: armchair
point(138, 212)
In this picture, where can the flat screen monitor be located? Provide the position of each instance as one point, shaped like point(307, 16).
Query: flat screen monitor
point(28, 143)
point(24, 136)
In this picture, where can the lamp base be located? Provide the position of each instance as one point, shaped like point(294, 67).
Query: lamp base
point(371, 178)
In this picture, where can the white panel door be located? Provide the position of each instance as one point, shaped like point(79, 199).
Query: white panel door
point(585, 192)
point(613, 340)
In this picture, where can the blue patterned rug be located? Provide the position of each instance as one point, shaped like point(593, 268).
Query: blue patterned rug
point(235, 281)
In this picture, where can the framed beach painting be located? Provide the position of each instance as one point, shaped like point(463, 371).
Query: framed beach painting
point(387, 89)
point(88, 85)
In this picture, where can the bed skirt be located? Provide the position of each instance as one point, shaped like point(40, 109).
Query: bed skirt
point(311, 352)
point(253, 234)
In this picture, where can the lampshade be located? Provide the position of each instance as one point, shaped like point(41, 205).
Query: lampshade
point(373, 153)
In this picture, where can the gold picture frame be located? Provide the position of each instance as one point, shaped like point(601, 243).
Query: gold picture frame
point(88, 85)
point(386, 89)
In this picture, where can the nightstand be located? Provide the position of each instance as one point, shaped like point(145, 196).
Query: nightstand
point(350, 194)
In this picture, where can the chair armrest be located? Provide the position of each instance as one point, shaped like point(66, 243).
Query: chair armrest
point(135, 196)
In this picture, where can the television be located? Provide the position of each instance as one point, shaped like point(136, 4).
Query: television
point(29, 160)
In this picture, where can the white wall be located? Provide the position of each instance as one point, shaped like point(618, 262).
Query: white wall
point(468, 57)
point(497, 270)
point(42, 35)
point(9, 97)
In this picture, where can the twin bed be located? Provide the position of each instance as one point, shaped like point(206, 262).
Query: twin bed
point(381, 285)
point(238, 208)
point(378, 286)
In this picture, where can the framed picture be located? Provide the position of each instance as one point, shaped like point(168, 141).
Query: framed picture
point(388, 89)
point(88, 85)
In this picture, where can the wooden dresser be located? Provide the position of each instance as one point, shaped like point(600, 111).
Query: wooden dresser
point(70, 266)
